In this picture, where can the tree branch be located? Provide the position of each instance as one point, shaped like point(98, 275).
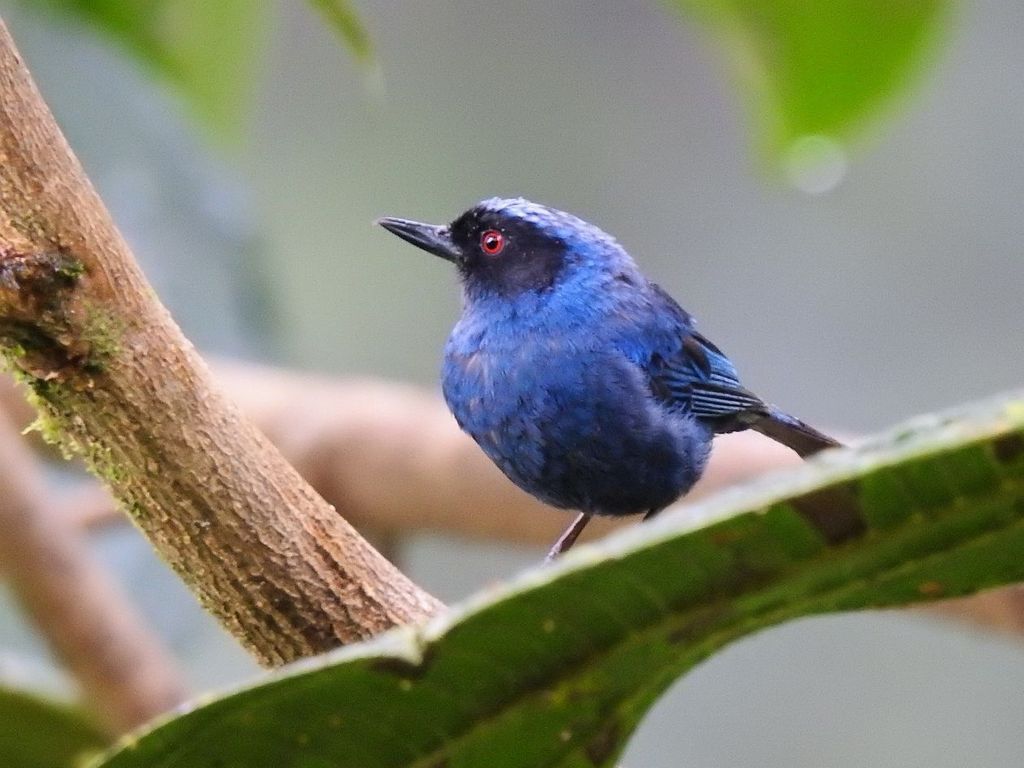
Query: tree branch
point(117, 383)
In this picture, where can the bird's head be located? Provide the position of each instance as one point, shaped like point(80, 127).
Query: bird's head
point(510, 247)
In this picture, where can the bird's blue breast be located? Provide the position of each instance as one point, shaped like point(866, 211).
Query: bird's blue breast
point(554, 390)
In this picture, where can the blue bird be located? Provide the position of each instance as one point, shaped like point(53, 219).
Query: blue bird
point(586, 383)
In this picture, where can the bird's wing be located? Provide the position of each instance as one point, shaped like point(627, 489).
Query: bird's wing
point(694, 374)
point(701, 379)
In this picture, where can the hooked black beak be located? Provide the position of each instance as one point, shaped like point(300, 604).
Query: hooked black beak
point(432, 238)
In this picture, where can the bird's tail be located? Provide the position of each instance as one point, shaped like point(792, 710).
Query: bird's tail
point(793, 433)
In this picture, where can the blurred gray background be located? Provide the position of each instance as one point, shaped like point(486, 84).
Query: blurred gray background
point(897, 292)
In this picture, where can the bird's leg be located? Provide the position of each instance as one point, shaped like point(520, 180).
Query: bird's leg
point(568, 537)
point(651, 513)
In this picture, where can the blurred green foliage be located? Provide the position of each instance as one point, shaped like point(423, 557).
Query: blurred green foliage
point(343, 19)
point(806, 68)
point(207, 50)
point(559, 668)
point(36, 733)
point(809, 68)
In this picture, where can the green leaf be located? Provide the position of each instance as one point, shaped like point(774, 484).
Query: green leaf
point(343, 19)
point(36, 733)
point(207, 49)
point(558, 668)
point(813, 68)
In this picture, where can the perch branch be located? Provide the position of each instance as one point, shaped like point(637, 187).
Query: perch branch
point(117, 383)
point(123, 671)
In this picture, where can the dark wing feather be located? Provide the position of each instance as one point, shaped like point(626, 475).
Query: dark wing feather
point(691, 373)
point(699, 378)
point(702, 380)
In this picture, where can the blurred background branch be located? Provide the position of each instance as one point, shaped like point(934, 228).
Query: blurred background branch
point(123, 671)
point(345, 435)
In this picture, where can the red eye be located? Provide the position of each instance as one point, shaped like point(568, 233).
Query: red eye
point(492, 242)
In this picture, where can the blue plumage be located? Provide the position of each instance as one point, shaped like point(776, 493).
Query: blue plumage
point(583, 381)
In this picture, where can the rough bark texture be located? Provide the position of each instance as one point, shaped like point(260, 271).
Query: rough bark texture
point(124, 674)
point(116, 382)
